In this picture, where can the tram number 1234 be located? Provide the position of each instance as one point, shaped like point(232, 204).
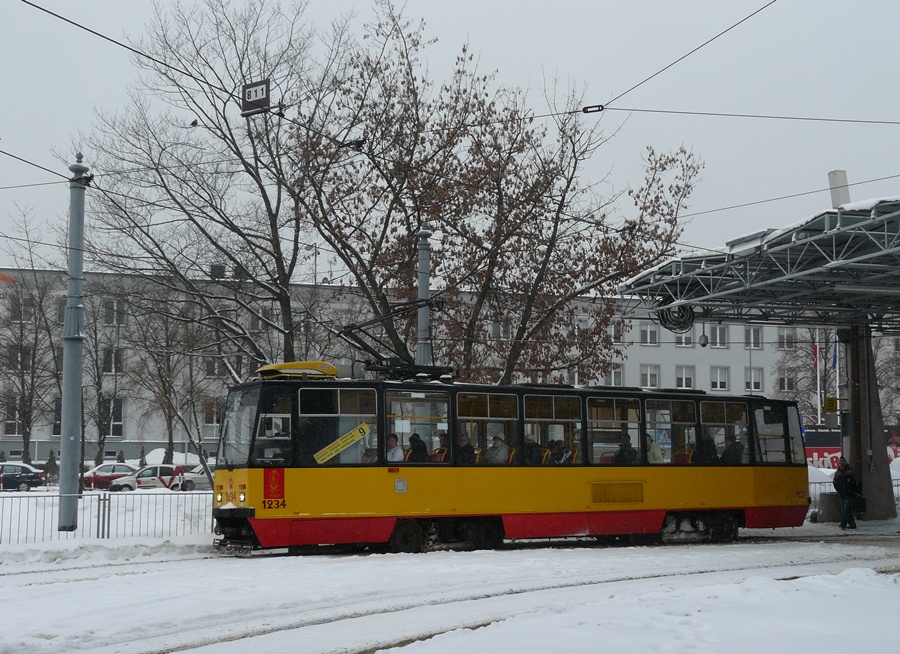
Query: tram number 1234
point(274, 504)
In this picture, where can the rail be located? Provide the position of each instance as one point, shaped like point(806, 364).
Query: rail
point(34, 517)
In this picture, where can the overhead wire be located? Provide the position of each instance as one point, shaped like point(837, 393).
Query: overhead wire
point(587, 109)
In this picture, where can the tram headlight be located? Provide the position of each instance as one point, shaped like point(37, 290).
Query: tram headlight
point(219, 497)
point(242, 497)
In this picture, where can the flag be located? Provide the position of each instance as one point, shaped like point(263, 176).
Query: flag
point(834, 358)
point(6, 278)
point(815, 356)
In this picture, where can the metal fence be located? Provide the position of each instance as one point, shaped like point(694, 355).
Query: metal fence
point(34, 517)
point(816, 488)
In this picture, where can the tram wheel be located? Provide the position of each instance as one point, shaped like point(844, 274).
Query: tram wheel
point(407, 537)
point(488, 534)
point(724, 528)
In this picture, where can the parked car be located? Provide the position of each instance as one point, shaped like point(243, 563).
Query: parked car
point(155, 476)
point(20, 476)
point(104, 474)
point(196, 479)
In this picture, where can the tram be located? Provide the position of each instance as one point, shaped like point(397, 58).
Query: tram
point(307, 458)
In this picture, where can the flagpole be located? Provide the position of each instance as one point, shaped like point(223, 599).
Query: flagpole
point(818, 378)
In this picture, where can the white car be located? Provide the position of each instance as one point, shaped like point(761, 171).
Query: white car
point(196, 479)
point(156, 476)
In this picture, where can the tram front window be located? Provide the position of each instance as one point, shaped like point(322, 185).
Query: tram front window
point(237, 428)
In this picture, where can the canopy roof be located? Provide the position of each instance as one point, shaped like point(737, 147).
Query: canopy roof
point(837, 268)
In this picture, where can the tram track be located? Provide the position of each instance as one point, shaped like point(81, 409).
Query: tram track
point(338, 625)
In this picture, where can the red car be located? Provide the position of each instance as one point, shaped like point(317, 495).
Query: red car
point(103, 475)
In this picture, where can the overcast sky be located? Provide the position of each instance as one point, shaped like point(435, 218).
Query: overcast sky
point(802, 58)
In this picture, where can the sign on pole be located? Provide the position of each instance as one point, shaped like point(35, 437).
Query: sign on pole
point(255, 98)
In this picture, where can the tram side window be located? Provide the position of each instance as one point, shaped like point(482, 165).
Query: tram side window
point(672, 424)
point(481, 416)
point(798, 450)
point(725, 423)
point(613, 430)
point(771, 433)
point(419, 418)
point(552, 430)
point(338, 426)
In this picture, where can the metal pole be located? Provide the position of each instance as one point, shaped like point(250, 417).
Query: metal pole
point(73, 350)
point(423, 344)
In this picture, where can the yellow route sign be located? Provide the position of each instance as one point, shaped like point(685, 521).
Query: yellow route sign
point(336, 447)
point(831, 405)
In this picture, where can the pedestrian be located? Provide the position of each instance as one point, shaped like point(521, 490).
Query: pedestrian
point(848, 488)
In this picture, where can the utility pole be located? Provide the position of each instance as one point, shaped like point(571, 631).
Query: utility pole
point(73, 353)
point(423, 341)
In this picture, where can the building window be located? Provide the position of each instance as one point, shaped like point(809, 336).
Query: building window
point(113, 360)
point(115, 312)
point(111, 416)
point(13, 423)
point(753, 379)
point(613, 377)
point(787, 338)
point(685, 340)
point(21, 309)
point(215, 366)
point(57, 416)
point(786, 383)
point(718, 378)
point(718, 336)
point(617, 331)
point(19, 357)
point(649, 334)
point(753, 337)
point(501, 330)
point(649, 375)
point(684, 376)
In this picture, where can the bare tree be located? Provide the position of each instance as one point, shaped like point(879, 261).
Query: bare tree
point(364, 153)
point(28, 340)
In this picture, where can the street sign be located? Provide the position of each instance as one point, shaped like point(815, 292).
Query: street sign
point(831, 405)
point(255, 98)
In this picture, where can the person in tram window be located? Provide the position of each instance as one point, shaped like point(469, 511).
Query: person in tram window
point(556, 451)
point(733, 453)
point(394, 451)
point(498, 453)
point(626, 455)
point(465, 453)
point(706, 450)
point(533, 451)
point(654, 452)
point(418, 450)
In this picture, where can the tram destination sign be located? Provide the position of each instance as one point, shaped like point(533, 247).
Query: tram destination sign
point(255, 98)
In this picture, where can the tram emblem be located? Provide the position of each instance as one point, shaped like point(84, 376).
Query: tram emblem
point(273, 484)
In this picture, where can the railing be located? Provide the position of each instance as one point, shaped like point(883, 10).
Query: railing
point(816, 488)
point(34, 517)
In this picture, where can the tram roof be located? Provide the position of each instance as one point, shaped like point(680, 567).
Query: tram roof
point(837, 268)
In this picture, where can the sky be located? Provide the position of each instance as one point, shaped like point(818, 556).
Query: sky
point(137, 596)
point(801, 58)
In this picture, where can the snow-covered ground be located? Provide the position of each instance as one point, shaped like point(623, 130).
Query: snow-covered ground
point(829, 592)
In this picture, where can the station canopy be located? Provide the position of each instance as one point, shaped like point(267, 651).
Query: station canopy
point(836, 269)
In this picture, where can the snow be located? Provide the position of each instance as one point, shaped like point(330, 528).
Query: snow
point(808, 590)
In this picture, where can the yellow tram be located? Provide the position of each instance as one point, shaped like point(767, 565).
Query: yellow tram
point(306, 458)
